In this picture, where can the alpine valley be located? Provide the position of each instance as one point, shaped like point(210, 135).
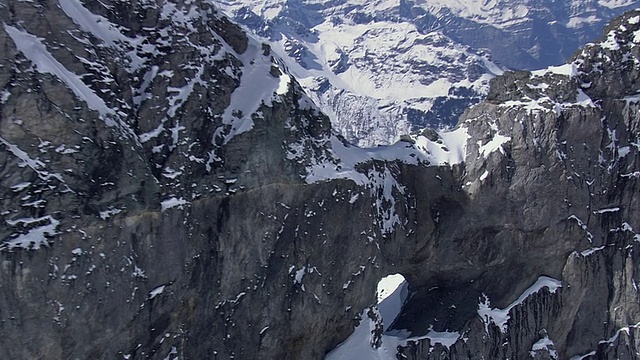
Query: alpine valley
point(168, 190)
point(381, 69)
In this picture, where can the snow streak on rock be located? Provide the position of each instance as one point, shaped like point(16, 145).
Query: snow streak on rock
point(500, 317)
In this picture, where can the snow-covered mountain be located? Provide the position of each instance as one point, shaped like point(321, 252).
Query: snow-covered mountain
point(376, 75)
point(522, 34)
point(382, 68)
point(168, 191)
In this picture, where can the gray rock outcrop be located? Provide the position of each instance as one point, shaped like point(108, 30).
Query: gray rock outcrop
point(556, 197)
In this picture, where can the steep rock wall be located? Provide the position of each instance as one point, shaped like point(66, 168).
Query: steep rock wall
point(560, 198)
point(169, 192)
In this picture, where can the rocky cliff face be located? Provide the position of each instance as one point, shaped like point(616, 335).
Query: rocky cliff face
point(133, 134)
point(556, 197)
point(168, 191)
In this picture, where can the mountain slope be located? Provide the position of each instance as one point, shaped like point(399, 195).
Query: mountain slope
point(378, 77)
point(551, 171)
point(169, 191)
point(383, 69)
point(524, 34)
point(125, 130)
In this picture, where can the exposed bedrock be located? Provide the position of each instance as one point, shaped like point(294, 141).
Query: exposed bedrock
point(168, 191)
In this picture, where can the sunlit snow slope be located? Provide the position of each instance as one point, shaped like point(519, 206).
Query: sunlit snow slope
point(377, 78)
point(382, 69)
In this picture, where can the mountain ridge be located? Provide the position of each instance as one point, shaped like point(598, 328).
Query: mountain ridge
point(382, 70)
point(157, 208)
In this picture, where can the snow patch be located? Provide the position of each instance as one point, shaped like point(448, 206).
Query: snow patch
point(450, 150)
point(570, 69)
point(500, 317)
point(156, 291)
point(343, 161)
point(257, 87)
point(579, 21)
point(98, 26)
point(359, 345)
point(283, 85)
point(34, 50)
point(173, 202)
point(607, 210)
point(591, 251)
point(544, 344)
point(444, 338)
point(614, 4)
point(492, 145)
point(35, 237)
point(104, 215)
point(299, 275)
point(4, 96)
point(391, 293)
point(21, 186)
point(387, 285)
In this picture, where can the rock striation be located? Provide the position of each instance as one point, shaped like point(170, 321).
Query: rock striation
point(167, 190)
